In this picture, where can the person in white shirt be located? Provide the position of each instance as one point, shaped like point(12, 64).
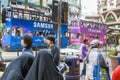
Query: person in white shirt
point(93, 57)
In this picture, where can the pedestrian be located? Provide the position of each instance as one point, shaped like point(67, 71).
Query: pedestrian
point(54, 48)
point(19, 67)
point(84, 53)
point(95, 57)
point(43, 67)
point(26, 42)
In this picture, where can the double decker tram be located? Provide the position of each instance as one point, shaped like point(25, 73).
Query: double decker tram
point(18, 22)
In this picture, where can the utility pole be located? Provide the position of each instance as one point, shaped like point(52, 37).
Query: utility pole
point(59, 23)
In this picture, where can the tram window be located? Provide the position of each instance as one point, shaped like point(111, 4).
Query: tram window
point(6, 31)
point(49, 19)
point(82, 24)
point(20, 15)
point(66, 34)
point(8, 13)
point(94, 35)
point(41, 33)
point(90, 25)
point(46, 33)
point(40, 18)
point(33, 17)
point(99, 26)
point(17, 31)
point(77, 35)
point(13, 31)
point(15, 14)
point(26, 16)
point(36, 33)
point(71, 24)
point(37, 18)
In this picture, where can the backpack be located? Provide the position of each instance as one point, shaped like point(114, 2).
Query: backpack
point(101, 61)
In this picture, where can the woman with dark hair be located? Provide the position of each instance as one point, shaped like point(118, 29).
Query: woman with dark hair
point(26, 42)
point(43, 67)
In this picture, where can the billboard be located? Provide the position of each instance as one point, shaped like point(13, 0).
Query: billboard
point(23, 1)
point(34, 2)
point(73, 2)
point(45, 2)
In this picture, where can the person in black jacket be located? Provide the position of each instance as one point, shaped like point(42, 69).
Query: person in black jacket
point(19, 67)
point(54, 49)
point(26, 42)
point(43, 67)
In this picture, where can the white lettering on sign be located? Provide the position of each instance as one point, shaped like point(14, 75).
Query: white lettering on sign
point(42, 25)
point(91, 30)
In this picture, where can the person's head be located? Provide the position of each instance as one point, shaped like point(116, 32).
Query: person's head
point(26, 41)
point(50, 39)
point(96, 43)
point(30, 33)
point(85, 41)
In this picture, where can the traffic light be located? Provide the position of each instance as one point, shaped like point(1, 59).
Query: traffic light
point(55, 11)
point(64, 12)
point(3, 15)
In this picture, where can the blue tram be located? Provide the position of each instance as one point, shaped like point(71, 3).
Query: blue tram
point(20, 21)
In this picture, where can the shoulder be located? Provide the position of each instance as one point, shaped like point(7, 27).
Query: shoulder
point(84, 47)
point(116, 73)
point(118, 46)
point(55, 46)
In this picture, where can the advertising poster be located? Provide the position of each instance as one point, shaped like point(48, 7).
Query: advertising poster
point(21, 1)
point(45, 2)
point(34, 2)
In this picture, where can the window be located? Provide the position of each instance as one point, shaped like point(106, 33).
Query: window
point(76, 35)
point(15, 13)
point(94, 35)
point(6, 31)
point(8, 13)
point(17, 31)
point(26, 14)
point(66, 34)
point(20, 14)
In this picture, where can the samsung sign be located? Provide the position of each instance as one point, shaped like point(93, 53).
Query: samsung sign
point(43, 25)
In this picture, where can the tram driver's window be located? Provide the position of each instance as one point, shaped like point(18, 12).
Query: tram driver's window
point(19, 32)
point(6, 31)
point(66, 34)
point(75, 35)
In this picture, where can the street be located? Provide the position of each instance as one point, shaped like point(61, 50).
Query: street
point(8, 56)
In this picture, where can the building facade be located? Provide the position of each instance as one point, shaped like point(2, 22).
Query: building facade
point(74, 9)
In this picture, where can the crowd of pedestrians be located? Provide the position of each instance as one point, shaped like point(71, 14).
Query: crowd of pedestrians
point(43, 66)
